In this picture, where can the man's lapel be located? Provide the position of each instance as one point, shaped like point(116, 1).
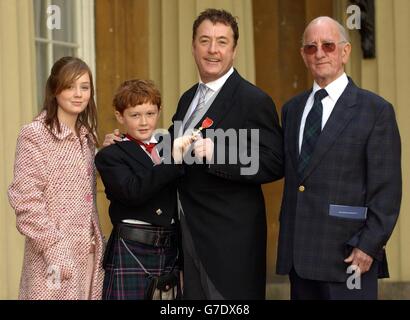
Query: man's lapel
point(295, 127)
point(184, 103)
point(223, 101)
point(341, 115)
point(135, 152)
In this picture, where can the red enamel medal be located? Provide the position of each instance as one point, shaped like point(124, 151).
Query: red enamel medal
point(206, 123)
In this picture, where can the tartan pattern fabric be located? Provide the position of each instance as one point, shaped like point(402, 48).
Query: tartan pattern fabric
point(313, 127)
point(203, 91)
point(124, 278)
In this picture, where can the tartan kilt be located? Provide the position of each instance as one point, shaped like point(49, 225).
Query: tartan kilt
point(124, 278)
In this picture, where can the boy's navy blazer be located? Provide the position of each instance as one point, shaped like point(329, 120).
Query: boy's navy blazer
point(136, 188)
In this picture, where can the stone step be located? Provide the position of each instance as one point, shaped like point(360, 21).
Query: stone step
point(388, 290)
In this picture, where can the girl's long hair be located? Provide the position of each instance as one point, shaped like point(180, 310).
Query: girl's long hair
point(63, 74)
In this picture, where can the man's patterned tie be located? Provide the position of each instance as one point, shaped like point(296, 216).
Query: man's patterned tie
point(203, 91)
point(313, 128)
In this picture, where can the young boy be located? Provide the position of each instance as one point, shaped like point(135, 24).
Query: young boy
point(143, 200)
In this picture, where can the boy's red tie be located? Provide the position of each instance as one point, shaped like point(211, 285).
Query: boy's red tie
point(150, 147)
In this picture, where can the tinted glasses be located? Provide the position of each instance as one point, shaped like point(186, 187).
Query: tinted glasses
point(326, 47)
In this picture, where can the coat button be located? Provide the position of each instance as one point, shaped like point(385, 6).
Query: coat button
point(159, 212)
point(302, 188)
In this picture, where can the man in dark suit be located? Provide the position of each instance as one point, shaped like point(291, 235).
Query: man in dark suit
point(222, 207)
point(342, 177)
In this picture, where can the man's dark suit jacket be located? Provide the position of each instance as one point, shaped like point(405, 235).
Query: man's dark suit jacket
point(135, 187)
point(356, 162)
point(225, 210)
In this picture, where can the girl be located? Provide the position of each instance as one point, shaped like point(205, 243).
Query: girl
point(53, 191)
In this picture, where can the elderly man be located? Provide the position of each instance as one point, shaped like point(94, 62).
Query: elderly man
point(342, 177)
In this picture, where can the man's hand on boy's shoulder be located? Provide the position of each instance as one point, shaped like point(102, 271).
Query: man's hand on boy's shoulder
point(110, 138)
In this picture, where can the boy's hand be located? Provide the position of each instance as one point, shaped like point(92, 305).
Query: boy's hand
point(181, 146)
point(110, 138)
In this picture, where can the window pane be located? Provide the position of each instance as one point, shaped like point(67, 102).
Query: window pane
point(42, 72)
point(40, 18)
point(62, 51)
point(68, 23)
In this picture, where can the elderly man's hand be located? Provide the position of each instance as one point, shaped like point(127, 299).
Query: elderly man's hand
point(360, 259)
point(204, 148)
point(110, 138)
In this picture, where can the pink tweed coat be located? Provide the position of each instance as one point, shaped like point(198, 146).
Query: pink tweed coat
point(53, 195)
